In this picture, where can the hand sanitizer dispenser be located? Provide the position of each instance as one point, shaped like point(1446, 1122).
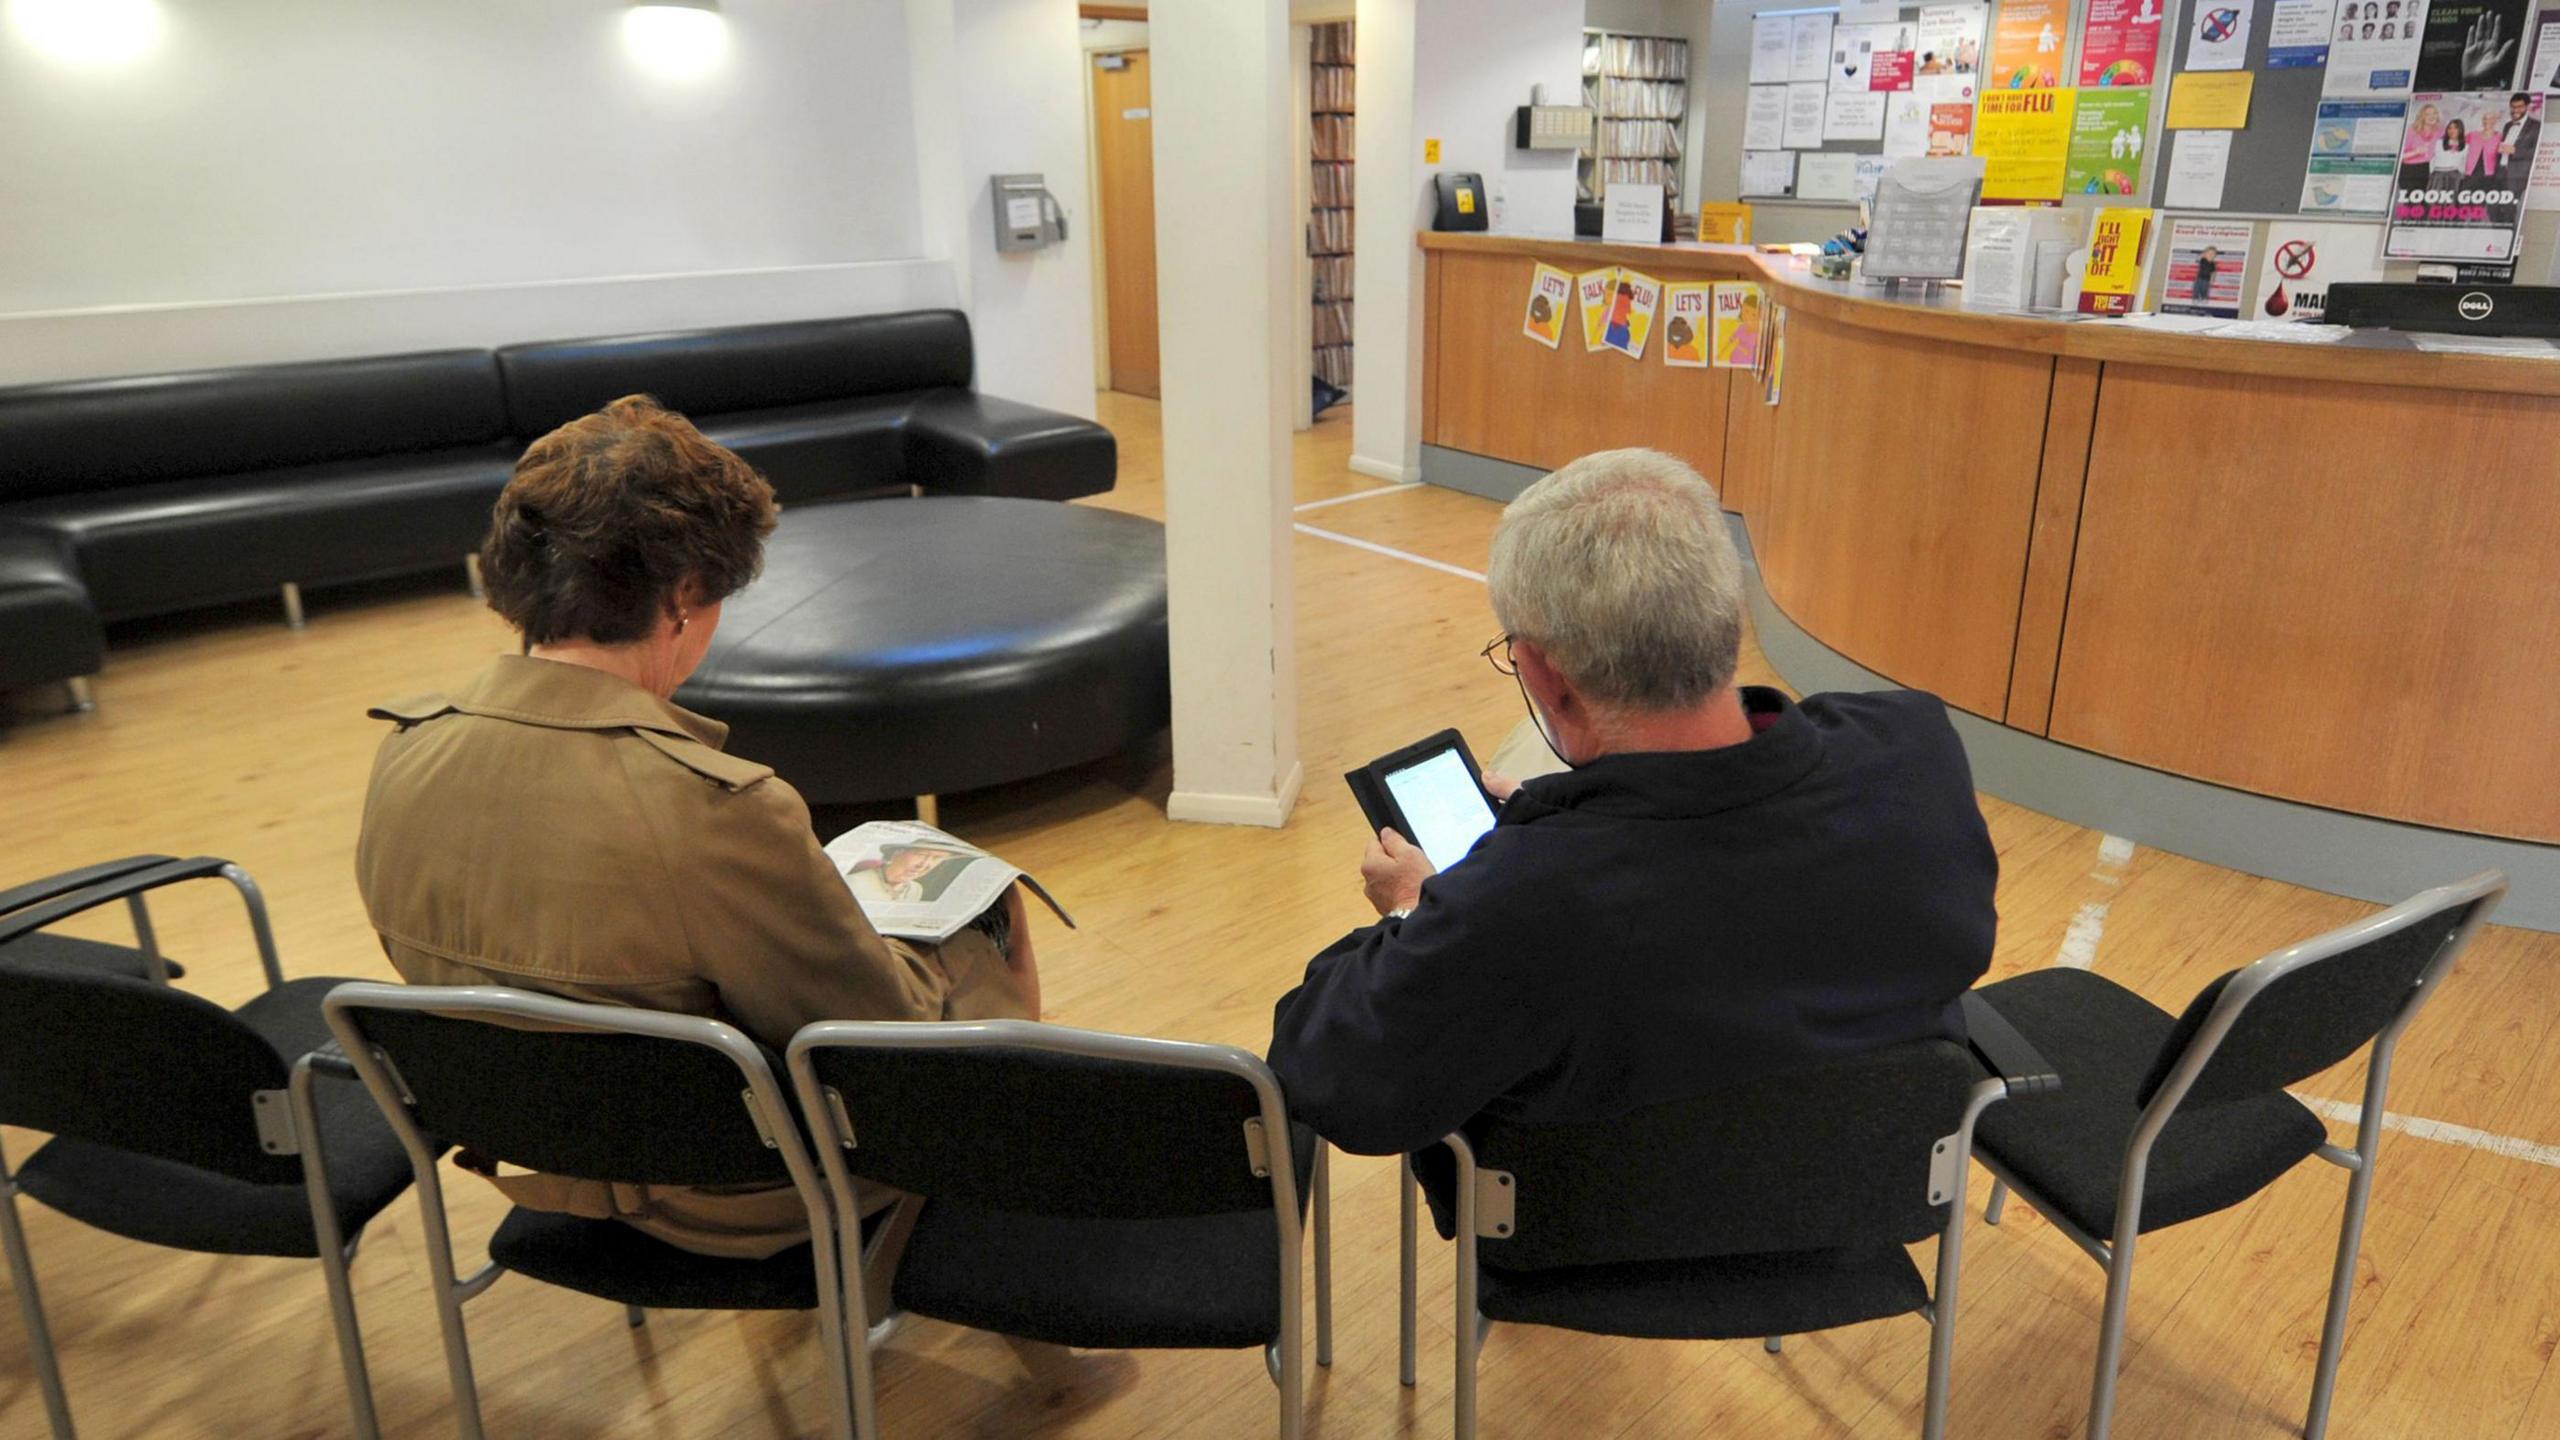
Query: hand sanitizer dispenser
point(1027, 215)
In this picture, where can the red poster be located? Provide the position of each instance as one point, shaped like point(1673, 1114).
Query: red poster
point(1889, 70)
point(2121, 43)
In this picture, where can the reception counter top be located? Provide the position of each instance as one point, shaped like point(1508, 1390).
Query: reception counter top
point(2322, 573)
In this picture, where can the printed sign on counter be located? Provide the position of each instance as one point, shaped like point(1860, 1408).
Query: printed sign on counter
point(2207, 261)
point(2303, 261)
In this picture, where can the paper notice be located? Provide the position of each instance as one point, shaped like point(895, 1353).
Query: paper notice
point(1764, 118)
point(2298, 33)
point(1768, 173)
point(1803, 129)
point(1809, 48)
point(1772, 41)
point(1853, 115)
point(2218, 34)
point(1827, 177)
point(2198, 162)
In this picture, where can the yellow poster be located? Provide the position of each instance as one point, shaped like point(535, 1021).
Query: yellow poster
point(2111, 282)
point(1550, 294)
point(1631, 311)
point(1596, 287)
point(1684, 331)
point(2026, 51)
point(1739, 308)
point(2024, 138)
point(2211, 99)
point(1724, 224)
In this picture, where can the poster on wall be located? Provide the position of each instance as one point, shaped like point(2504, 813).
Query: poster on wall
point(1768, 172)
point(1950, 129)
point(2026, 54)
point(2207, 261)
point(2025, 135)
point(2464, 167)
point(1738, 311)
point(2199, 163)
point(1594, 288)
point(2374, 53)
point(1772, 42)
point(1871, 57)
point(1949, 40)
point(2107, 140)
point(1809, 48)
point(2471, 44)
point(1803, 127)
point(1854, 115)
point(2543, 71)
point(2303, 260)
point(1764, 118)
point(1685, 325)
point(2218, 34)
point(2355, 157)
point(1550, 295)
point(2120, 43)
point(2544, 192)
point(2298, 33)
point(1631, 311)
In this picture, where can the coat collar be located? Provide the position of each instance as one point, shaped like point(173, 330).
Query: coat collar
point(570, 697)
point(1683, 784)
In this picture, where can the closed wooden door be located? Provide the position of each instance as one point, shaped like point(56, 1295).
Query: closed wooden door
point(1124, 131)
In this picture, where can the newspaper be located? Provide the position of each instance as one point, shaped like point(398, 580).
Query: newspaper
point(919, 883)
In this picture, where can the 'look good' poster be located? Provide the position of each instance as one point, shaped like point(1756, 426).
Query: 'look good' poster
point(2465, 165)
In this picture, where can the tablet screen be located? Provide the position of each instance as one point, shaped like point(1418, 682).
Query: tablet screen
point(1444, 806)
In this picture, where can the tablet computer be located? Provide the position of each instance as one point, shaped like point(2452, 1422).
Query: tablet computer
point(1431, 792)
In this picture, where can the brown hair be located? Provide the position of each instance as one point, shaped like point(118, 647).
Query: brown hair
point(607, 516)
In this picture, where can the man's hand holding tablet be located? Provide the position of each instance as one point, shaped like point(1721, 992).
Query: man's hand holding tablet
point(1432, 792)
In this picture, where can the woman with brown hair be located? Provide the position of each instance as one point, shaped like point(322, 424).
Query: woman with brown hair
point(559, 825)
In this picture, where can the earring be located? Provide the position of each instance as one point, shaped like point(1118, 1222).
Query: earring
point(683, 619)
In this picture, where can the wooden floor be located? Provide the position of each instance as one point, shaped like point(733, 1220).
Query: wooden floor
point(233, 736)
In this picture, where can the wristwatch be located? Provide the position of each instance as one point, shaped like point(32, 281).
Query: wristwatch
point(1402, 912)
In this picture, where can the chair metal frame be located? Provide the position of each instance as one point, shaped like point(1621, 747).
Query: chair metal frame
point(28, 908)
point(764, 1100)
point(1486, 1201)
point(828, 1110)
point(2116, 1256)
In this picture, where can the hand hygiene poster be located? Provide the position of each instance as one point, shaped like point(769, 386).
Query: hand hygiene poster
point(2465, 165)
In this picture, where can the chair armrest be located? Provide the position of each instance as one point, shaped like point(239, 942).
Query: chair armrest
point(52, 886)
point(962, 443)
point(331, 1059)
point(2005, 1052)
point(120, 887)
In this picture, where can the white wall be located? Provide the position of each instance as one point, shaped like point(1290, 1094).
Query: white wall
point(1021, 107)
point(1474, 63)
point(296, 179)
point(271, 148)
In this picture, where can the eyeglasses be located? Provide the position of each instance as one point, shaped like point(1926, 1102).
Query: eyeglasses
point(1497, 653)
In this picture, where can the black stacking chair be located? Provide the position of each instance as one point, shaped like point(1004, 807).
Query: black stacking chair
point(1772, 1208)
point(596, 1092)
point(2162, 1119)
point(1101, 1191)
point(174, 1121)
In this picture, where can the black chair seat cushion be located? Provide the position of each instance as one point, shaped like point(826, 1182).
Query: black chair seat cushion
point(824, 450)
point(96, 954)
point(163, 1203)
point(53, 631)
point(1729, 1297)
point(924, 646)
point(1208, 1282)
point(963, 443)
point(150, 548)
point(2068, 1146)
point(612, 1261)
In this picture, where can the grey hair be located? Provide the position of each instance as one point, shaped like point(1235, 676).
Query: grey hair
point(1620, 567)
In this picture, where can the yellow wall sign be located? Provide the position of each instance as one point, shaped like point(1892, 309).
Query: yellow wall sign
point(1430, 152)
point(2024, 138)
point(2211, 99)
point(1724, 224)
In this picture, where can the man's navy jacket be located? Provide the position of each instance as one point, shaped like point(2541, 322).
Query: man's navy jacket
point(1650, 927)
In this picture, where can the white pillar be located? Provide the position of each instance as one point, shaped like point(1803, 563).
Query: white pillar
point(1386, 279)
point(1224, 270)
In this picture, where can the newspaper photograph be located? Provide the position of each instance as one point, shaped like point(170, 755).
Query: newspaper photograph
point(915, 882)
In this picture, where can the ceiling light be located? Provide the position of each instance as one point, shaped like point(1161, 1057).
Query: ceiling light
point(88, 32)
point(677, 42)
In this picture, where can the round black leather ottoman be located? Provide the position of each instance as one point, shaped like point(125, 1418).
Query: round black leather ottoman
point(908, 647)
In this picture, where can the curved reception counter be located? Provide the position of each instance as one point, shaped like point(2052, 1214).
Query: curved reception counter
point(2291, 608)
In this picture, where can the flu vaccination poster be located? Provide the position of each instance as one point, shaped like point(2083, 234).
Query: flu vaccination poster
point(2026, 51)
point(2024, 138)
point(1594, 287)
point(1550, 293)
point(1685, 326)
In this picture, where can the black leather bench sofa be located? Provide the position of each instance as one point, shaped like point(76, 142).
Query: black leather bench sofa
point(150, 494)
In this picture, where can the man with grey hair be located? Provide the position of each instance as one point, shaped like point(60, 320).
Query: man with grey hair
point(1722, 883)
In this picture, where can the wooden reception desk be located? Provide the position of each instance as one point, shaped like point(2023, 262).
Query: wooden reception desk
point(2324, 573)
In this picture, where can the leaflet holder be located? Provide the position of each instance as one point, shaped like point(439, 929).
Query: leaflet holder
point(1027, 215)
